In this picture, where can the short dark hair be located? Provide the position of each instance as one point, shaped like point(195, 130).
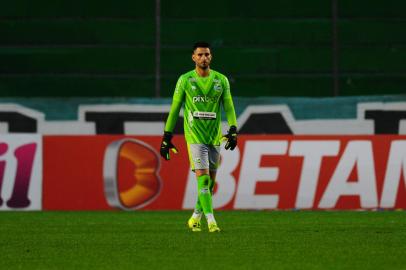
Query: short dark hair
point(201, 44)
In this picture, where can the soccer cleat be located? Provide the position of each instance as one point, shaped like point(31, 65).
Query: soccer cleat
point(194, 225)
point(213, 227)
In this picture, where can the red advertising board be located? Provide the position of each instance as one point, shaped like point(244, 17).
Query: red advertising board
point(264, 172)
point(73, 173)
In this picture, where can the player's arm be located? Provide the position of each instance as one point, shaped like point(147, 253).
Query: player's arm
point(228, 106)
point(173, 116)
point(177, 102)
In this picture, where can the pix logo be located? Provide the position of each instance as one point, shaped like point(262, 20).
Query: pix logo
point(204, 99)
point(130, 174)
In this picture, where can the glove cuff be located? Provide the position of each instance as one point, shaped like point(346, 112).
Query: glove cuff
point(167, 135)
point(233, 129)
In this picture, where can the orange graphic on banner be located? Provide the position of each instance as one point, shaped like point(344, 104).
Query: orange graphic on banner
point(131, 177)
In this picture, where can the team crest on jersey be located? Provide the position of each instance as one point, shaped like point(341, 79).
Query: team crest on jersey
point(193, 87)
point(192, 80)
point(217, 87)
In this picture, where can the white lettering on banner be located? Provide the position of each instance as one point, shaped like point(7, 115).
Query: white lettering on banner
point(346, 156)
point(226, 182)
point(313, 153)
point(251, 173)
point(189, 199)
point(396, 162)
point(357, 154)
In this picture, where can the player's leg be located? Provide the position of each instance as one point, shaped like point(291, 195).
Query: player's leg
point(198, 211)
point(203, 204)
point(194, 220)
point(204, 194)
point(214, 161)
point(200, 160)
point(198, 154)
point(212, 181)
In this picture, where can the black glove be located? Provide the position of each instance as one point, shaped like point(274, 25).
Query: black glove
point(231, 138)
point(167, 145)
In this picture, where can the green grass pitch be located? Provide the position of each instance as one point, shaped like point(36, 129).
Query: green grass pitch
point(161, 240)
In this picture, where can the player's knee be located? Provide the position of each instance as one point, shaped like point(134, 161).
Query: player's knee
point(204, 181)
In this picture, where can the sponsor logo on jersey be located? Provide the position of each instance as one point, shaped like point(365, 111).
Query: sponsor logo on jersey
point(204, 115)
point(204, 99)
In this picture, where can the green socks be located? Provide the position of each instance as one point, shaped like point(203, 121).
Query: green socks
point(198, 207)
point(204, 192)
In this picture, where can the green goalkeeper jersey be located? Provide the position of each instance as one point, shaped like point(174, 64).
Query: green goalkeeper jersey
point(202, 97)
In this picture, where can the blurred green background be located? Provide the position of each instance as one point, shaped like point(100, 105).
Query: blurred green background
point(61, 48)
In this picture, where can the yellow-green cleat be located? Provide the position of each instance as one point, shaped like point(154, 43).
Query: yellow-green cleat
point(213, 227)
point(194, 225)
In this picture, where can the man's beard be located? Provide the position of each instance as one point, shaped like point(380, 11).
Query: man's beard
point(202, 66)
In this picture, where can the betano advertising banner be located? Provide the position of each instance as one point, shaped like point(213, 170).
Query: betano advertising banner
point(265, 172)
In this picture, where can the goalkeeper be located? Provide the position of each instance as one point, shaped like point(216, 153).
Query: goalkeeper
point(202, 90)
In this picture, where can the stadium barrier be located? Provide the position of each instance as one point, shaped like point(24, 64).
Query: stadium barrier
point(77, 154)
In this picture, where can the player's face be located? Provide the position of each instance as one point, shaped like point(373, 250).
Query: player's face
point(202, 57)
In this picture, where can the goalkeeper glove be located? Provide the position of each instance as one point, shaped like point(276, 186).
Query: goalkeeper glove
point(231, 138)
point(167, 145)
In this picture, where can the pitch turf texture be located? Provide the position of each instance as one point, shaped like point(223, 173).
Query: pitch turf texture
point(161, 240)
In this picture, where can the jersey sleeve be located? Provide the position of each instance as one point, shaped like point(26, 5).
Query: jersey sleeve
point(178, 97)
point(226, 93)
point(179, 93)
point(228, 104)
